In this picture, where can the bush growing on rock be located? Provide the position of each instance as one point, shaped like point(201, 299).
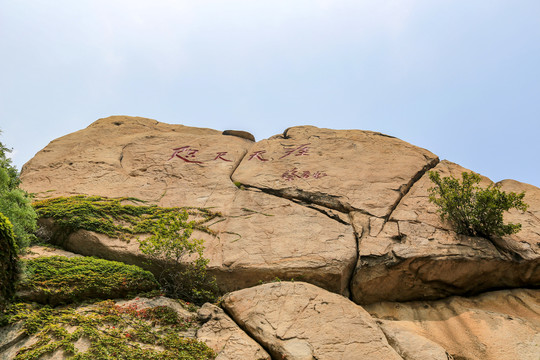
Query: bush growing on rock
point(171, 241)
point(473, 210)
point(8, 260)
point(14, 202)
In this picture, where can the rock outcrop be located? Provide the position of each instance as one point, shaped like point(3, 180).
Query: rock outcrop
point(224, 336)
point(415, 255)
point(296, 320)
point(503, 325)
point(345, 213)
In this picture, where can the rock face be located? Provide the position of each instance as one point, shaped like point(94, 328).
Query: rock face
point(339, 169)
point(414, 255)
point(502, 325)
point(295, 320)
point(263, 237)
point(345, 210)
point(222, 334)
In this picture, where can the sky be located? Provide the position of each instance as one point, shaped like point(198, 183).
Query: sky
point(460, 78)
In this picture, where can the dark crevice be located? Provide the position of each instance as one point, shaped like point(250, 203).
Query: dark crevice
point(246, 331)
point(404, 189)
point(308, 200)
point(318, 198)
point(358, 237)
point(328, 213)
point(393, 344)
point(237, 165)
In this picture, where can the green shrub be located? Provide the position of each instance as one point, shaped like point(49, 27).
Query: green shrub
point(14, 202)
point(473, 210)
point(58, 279)
point(170, 243)
point(8, 260)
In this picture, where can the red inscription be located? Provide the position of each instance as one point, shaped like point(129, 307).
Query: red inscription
point(187, 153)
point(220, 156)
point(258, 155)
point(301, 150)
point(294, 174)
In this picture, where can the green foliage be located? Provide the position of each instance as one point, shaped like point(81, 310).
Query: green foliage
point(171, 242)
point(113, 332)
point(8, 259)
point(472, 210)
point(14, 202)
point(58, 279)
point(113, 217)
point(170, 239)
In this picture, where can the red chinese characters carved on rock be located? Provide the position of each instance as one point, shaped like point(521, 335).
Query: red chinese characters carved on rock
point(298, 151)
point(188, 154)
point(257, 155)
point(294, 174)
point(220, 156)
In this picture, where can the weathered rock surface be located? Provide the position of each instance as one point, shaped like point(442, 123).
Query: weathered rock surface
point(345, 210)
point(263, 237)
point(222, 334)
point(169, 165)
point(339, 169)
point(415, 255)
point(500, 325)
point(43, 251)
point(295, 320)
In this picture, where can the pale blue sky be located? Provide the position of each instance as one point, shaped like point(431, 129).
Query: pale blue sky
point(458, 77)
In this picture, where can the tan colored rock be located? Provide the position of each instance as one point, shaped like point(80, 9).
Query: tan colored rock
point(222, 334)
point(296, 320)
point(501, 325)
point(339, 169)
point(415, 255)
point(36, 251)
point(410, 345)
point(169, 165)
point(262, 236)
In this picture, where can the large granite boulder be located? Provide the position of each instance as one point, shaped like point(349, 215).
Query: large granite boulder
point(260, 237)
point(339, 169)
point(500, 325)
point(295, 320)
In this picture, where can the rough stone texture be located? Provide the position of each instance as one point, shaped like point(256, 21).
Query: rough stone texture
point(501, 325)
point(42, 251)
point(262, 237)
point(130, 156)
point(410, 345)
point(295, 320)
point(13, 337)
point(9, 336)
point(339, 169)
point(416, 256)
point(222, 334)
point(240, 134)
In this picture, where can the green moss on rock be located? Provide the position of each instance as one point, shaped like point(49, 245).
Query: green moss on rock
point(111, 331)
point(115, 217)
point(8, 260)
point(58, 279)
